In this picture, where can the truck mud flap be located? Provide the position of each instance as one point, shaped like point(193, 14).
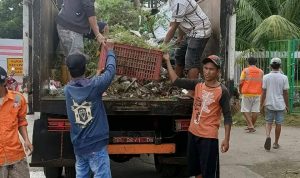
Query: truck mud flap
point(50, 147)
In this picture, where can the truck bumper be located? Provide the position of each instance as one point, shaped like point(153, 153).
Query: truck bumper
point(167, 148)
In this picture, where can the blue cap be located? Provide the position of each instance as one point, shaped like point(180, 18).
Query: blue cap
point(3, 75)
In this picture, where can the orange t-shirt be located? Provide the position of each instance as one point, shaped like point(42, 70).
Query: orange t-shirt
point(209, 104)
point(13, 112)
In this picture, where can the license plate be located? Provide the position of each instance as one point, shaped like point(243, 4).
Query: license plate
point(133, 139)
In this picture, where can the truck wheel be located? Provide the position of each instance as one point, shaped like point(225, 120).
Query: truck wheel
point(53, 172)
point(70, 172)
point(182, 171)
point(168, 170)
point(120, 158)
point(158, 166)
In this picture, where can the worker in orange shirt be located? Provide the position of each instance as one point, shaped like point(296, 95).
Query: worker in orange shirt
point(211, 100)
point(13, 110)
point(251, 90)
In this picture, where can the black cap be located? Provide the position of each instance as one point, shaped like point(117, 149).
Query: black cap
point(252, 60)
point(3, 75)
point(214, 59)
point(76, 64)
point(101, 26)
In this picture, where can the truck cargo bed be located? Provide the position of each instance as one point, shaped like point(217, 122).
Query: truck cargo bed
point(129, 106)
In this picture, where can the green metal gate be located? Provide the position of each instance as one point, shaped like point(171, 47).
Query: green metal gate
point(289, 53)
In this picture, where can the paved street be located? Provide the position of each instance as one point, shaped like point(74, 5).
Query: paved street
point(245, 159)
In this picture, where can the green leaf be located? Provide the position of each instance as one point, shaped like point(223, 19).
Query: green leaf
point(274, 27)
point(259, 21)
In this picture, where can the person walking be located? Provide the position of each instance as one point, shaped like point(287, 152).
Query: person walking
point(194, 32)
point(86, 113)
point(251, 90)
point(13, 110)
point(275, 100)
point(211, 100)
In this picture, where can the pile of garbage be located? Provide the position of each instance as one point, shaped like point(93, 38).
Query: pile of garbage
point(127, 87)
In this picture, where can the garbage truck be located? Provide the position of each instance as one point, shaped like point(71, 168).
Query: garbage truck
point(138, 126)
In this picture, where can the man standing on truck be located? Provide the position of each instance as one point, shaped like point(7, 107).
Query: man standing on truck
point(211, 99)
point(251, 88)
point(13, 110)
point(75, 19)
point(275, 99)
point(86, 113)
point(193, 23)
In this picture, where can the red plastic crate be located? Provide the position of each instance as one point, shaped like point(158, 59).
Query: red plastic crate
point(135, 62)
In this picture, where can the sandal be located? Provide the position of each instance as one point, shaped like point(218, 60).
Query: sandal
point(268, 144)
point(251, 130)
point(276, 146)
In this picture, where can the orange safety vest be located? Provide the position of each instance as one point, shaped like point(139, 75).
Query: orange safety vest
point(253, 81)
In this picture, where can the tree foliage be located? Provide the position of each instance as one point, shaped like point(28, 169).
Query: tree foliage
point(118, 12)
point(11, 19)
point(260, 21)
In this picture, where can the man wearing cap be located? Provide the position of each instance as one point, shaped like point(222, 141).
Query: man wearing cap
point(275, 100)
point(86, 113)
point(75, 19)
point(211, 100)
point(13, 110)
point(251, 90)
point(193, 23)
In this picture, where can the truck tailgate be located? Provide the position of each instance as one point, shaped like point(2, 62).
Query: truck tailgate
point(167, 107)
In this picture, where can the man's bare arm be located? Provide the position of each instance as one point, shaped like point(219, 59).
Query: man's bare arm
point(172, 74)
point(263, 98)
point(286, 99)
point(241, 85)
point(27, 144)
point(94, 26)
point(170, 34)
point(225, 142)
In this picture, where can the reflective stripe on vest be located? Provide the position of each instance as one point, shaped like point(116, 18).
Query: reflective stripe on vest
point(247, 77)
point(253, 81)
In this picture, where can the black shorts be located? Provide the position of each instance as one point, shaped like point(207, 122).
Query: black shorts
point(189, 52)
point(203, 156)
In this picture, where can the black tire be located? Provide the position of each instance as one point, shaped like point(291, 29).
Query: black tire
point(120, 158)
point(182, 171)
point(53, 172)
point(168, 170)
point(70, 172)
point(158, 166)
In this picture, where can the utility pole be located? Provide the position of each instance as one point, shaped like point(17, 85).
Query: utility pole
point(26, 36)
point(231, 46)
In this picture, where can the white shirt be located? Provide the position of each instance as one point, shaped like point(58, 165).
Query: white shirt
point(193, 21)
point(274, 83)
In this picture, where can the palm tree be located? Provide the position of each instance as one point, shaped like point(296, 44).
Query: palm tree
point(260, 21)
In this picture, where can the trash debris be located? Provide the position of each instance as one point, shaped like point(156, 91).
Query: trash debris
point(123, 87)
point(126, 87)
point(55, 88)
